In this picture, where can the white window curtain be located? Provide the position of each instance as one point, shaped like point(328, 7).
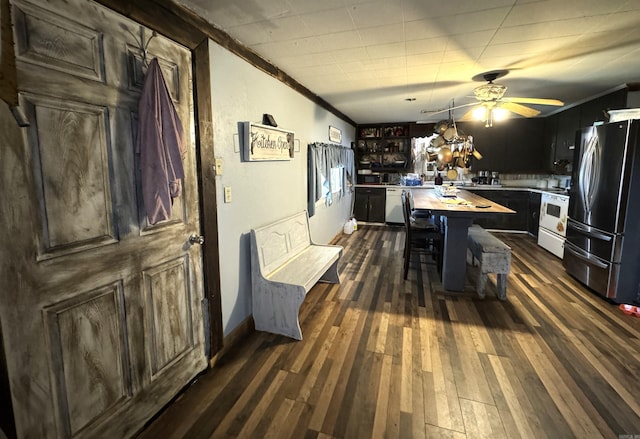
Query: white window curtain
point(321, 159)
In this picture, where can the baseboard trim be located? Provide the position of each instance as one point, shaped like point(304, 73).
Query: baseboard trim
point(233, 338)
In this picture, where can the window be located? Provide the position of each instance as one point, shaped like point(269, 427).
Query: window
point(336, 176)
point(330, 168)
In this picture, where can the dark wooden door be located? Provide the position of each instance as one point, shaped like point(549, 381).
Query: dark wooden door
point(101, 312)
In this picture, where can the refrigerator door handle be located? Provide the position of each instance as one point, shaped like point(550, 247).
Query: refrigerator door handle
point(581, 254)
point(588, 231)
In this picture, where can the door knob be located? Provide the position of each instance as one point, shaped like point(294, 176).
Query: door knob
point(196, 239)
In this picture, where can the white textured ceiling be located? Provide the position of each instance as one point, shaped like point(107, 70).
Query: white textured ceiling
point(365, 57)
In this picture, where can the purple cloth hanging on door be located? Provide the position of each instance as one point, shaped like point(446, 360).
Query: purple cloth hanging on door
point(160, 145)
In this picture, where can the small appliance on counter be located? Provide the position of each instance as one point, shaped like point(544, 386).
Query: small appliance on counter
point(495, 178)
point(483, 177)
point(564, 182)
point(365, 176)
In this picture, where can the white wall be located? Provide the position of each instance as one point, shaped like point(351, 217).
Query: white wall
point(262, 192)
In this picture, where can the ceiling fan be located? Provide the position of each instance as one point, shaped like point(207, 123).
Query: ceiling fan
point(493, 105)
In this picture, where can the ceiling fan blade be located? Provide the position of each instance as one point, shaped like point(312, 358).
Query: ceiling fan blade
point(538, 101)
point(468, 116)
point(442, 110)
point(520, 109)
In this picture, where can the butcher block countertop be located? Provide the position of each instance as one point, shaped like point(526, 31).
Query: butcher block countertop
point(465, 203)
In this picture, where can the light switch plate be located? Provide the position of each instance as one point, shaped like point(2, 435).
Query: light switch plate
point(218, 166)
point(227, 194)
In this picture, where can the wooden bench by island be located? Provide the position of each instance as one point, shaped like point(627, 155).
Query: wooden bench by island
point(494, 257)
point(285, 264)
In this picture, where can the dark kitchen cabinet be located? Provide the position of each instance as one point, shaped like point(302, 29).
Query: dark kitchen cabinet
point(560, 129)
point(524, 145)
point(549, 141)
point(421, 129)
point(518, 201)
point(491, 143)
point(568, 124)
point(596, 109)
point(513, 145)
point(514, 200)
point(369, 205)
point(489, 222)
point(533, 218)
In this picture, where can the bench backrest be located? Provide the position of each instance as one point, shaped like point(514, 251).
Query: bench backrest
point(278, 242)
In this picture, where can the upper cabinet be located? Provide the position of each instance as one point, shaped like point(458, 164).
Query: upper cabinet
point(513, 145)
point(568, 124)
point(491, 143)
point(596, 109)
point(549, 141)
point(561, 128)
point(383, 147)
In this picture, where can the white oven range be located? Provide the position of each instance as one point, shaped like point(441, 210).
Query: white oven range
point(553, 222)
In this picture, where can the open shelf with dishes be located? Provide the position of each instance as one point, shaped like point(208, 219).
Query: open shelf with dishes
point(382, 148)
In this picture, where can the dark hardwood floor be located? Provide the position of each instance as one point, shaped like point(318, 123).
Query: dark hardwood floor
point(384, 357)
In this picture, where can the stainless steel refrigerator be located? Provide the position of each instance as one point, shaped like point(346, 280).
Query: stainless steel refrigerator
point(602, 247)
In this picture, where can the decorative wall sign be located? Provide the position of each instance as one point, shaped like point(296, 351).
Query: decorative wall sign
point(335, 134)
point(263, 142)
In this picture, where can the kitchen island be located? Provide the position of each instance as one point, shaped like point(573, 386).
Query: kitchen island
point(458, 214)
point(525, 200)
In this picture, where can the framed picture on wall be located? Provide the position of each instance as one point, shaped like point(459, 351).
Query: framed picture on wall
point(335, 134)
point(264, 143)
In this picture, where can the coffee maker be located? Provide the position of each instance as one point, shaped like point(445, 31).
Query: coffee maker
point(483, 177)
point(495, 177)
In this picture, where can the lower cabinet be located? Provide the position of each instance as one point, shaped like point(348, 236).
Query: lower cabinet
point(514, 200)
point(533, 219)
point(369, 204)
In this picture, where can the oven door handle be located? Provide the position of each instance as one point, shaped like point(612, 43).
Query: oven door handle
point(586, 230)
point(583, 255)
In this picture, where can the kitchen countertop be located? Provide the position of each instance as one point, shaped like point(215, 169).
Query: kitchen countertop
point(471, 187)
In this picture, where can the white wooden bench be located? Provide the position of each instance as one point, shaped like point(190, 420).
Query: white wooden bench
point(493, 255)
point(285, 264)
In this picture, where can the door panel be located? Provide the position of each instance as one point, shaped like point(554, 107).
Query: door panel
point(69, 144)
point(101, 312)
point(168, 313)
point(88, 345)
point(56, 42)
point(599, 176)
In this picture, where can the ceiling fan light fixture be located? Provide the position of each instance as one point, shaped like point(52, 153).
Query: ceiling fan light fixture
point(490, 91)
point(499, 113)
point(488, 123)
point(480, 113)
